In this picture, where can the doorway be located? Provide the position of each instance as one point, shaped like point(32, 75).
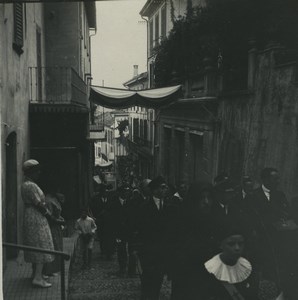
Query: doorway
point(11, 205)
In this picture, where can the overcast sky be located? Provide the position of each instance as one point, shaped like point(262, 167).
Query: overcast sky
point(120, 42)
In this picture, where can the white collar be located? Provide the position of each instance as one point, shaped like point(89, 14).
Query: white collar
point(243, 194)
point(231, 274)
point(222, 205)
point(266, 191)
point(157, 202)
point(178, 195)
point(156, 199)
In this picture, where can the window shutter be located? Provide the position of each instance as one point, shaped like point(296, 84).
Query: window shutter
point(163, 22)
point(18, 27)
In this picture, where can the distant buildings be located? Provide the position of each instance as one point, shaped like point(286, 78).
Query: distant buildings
point(138, 82)
point(141, 128)
point(112, 143)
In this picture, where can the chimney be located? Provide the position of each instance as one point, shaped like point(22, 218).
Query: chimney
point(135, 70)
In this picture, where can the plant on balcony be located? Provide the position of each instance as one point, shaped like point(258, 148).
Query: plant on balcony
point(219, 34)
point(123, 132)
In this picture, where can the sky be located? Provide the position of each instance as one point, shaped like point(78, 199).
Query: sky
point(120, 42)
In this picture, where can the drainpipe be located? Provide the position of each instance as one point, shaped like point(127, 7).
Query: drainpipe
point(147, 25)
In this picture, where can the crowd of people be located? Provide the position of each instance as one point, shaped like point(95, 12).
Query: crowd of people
point(219, 240)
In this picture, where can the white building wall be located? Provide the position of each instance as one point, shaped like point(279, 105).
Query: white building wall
point(14, 89)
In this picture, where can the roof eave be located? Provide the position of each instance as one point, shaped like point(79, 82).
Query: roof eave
point(145, 11)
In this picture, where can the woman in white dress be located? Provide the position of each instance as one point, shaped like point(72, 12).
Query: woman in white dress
point(37, 231)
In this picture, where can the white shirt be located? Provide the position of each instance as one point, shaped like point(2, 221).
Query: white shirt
point(266, 192)
point(225, 207)
point(104, 199)
point(85, 225)
point(121, 200)
point(243, 194)
point(157, 202)
point(178, 196)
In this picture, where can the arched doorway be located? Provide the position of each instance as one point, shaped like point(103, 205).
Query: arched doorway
point(11, 193)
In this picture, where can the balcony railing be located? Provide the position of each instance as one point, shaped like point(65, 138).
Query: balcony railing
point(57, 85)
point(142, 142)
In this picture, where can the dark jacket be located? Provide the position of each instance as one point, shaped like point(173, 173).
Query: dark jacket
point(153, 227)
point(215, 290)
point(270, 210)
point(120, 215)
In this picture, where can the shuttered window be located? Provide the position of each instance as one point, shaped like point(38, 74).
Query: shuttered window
point(150, 37)
point(18, 39)
point(163, 22)
point(156, 30)
point(145, 130)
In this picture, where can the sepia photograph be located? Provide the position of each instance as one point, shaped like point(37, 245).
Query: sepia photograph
point(149, 149)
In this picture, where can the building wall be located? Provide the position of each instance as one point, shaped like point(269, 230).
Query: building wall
point(263, 125)
point(186, 134)
point(71, 47)
point(14, 93)
point(160, 23)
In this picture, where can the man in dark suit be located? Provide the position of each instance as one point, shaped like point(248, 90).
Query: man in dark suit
point(153, 224)
point(224, 205)
point(270, 203)
point(104, 223)
point(276, 232)
point(179, 196)
point(144, 189)
point(246, 189)
point(138, 197)
point(120, 213)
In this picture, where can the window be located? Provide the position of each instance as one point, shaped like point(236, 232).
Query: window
point(38, 64)
point(150, 36)
point(145, 130)
point(156, 30)
point(18, 38)
point(135, 128)
point(142, 128)
point(163, 22)
point(151, 75)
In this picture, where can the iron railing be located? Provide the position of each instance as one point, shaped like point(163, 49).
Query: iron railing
point(63, 255)
point(142, 142)
point(57, 85)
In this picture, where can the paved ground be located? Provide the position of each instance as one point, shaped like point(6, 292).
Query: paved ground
point(17, 282)
point(100, 282)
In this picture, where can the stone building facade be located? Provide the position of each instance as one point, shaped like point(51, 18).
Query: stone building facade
point(44, 85)
point(18, 51)
point(236, 124)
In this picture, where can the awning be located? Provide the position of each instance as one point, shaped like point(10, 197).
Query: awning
point(120, 98)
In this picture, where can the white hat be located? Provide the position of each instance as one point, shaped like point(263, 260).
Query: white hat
point(30, 164)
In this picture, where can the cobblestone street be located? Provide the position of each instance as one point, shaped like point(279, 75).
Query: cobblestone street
point(100, 282)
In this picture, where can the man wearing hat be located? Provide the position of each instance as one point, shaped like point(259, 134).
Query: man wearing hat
point(224, 195)
point(120, 215)
point(152, 229)
point(277, 232)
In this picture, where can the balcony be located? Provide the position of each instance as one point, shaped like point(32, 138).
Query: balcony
point(57, 85)
point(141, 146)
point(142, 142)
point(97, 133)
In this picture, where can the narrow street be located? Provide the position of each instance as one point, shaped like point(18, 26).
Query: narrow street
point(100, 282)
